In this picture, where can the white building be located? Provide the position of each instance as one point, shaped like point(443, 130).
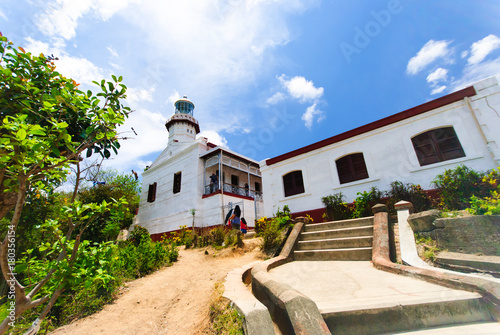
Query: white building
point(178, 181)
point(412, 146)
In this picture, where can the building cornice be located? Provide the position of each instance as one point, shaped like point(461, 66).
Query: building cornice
point(420, 109)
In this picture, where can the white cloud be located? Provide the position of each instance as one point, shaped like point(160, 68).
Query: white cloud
point(61, 16)
point(482, 48)
point(3, 16)
point(439, 74)
point(137, 95)
point(301, 89)
point(80, 69)
point(174, 97)
point(214, 137)
point(430, 52)
point(275, 98)
point(438, 90)
point(151, 137)
point(112, 51)
point(475, 72)
point(311, 113)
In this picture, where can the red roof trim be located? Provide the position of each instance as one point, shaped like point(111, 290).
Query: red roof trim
point(420, 109)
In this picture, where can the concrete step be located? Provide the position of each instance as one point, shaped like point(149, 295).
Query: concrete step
point(482, 328)
point(336, 243)
point(352, 254)
point(469, 263)
point(337, 233)
point(361, 222)
point(406, 317)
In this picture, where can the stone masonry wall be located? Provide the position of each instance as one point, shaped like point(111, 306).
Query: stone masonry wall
point(472, 235)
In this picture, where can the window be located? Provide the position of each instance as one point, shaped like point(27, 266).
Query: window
point(257, 187)
point(293, 183)
point(351, 168)
point(235, 180)
point(152, 192)
point(177, 182)
point(437, 145)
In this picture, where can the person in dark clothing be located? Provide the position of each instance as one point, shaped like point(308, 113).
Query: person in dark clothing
point(214, 183)
point(235, 219)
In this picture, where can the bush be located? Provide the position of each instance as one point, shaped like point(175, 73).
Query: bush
point(271, 236)
point(488, 205)
point(272, 230)
point(233, 238)
point(224, 318)
point(365, 201)
point(336, 207)
point(138, 235)
point(398, 191)
point(457, 186)
point(217, 236)
point(261, 224)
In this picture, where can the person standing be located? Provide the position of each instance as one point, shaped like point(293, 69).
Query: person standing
point(235, 219)
point(243, 226)
point(213, 183)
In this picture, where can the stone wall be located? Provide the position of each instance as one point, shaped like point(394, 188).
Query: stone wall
point(470, 235)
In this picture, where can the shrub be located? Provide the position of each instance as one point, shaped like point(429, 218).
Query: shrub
point(488, 205)
point(224, 318)
point(408, 192)
point(365, 201)
point(336, 207)
point(217, 236)
point(233, 238)
point(138, 235)
point(261, 224)
point(457, 186)
point(271, 236)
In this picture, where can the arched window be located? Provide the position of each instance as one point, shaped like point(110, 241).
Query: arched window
point(293, 183)
point(351, 167)
point(437, 145)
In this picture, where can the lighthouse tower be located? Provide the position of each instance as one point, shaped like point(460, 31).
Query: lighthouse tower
point(182, 126)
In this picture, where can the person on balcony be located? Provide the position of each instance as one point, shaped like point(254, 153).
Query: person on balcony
point(214, 183)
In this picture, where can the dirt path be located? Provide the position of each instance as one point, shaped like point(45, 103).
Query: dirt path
point(174, 300)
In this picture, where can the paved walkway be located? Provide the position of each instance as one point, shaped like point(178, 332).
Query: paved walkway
point(350, 285)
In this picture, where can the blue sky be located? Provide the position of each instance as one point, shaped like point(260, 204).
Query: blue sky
point(266, 76)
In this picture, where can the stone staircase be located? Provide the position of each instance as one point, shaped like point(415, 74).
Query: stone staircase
point(336, 240)
point(416, 309)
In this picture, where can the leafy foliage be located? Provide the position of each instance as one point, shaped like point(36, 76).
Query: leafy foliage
point(408, 192)
point(457, 186)
point(336, 207)
point(489, 205)
point(224, 318)
point(138, 235)
point(272, 230)
point(46, 123)
point(365, 201)
point(116, 186)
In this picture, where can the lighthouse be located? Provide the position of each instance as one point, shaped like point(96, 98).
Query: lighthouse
point(182, 126)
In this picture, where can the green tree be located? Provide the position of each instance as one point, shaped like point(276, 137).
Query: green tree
point(117, 185)
point(46, 123)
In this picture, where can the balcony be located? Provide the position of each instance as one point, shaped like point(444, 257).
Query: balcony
point(232, 190)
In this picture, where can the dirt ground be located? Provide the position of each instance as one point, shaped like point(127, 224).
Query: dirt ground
point(173, 300)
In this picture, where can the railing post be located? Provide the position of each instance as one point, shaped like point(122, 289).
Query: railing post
point(381, 249)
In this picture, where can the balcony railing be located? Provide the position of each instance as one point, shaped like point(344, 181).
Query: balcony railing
point(229, 188)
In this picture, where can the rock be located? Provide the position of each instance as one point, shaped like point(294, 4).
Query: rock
point(423, 221)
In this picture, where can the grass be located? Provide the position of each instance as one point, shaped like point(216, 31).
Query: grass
point(224, 318)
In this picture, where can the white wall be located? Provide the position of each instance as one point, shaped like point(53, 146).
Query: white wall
point(389, 153)
point(170, 211)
